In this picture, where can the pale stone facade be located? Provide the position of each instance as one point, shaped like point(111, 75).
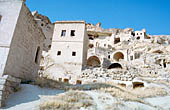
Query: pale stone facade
point(68, 53)
point(21, 45)
point(21, 41)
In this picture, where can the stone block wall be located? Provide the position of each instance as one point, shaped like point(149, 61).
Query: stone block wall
point(26, 47)
point(8, 85)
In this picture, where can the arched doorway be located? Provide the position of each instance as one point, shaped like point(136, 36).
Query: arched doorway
point(93, 61)
point(117, 56)
point(115, 65)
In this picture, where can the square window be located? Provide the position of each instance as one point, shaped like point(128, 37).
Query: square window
point(72, 32)
point(58, 53)
point(73, 53)
point(63, 33)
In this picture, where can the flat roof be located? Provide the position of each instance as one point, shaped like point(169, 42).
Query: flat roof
point(69, 22)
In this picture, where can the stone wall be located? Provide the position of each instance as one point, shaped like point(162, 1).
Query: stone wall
point(8, 85)
point(9, 12)
point(26, 47)
point(63, 48)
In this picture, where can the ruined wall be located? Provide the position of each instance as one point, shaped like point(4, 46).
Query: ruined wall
point(9, 12)
point(47, 27)
point(27, 40)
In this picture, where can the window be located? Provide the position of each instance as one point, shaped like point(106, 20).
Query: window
point(131, 57)
point(140, 33)
point(91, 45)
point(138, 38)
point(117, 40)
point(73, 53)
point(0, 17)
point(72, 32)
point(108, 56)
point(63, 33)
point(37, 55)
point(49, 46)
point(58, 53)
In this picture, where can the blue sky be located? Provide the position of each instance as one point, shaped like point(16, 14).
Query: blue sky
point(154, 15)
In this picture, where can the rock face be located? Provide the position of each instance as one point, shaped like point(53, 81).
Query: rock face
point(47, 27)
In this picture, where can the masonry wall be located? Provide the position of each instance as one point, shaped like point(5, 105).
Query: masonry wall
point(9, 12)
point(27, 38)
point(85, 48)
point(66, 63)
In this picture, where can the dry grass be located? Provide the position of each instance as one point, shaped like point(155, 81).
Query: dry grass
point(72, 100)
point(136, 94)
point(164, 82)
point(43, 82)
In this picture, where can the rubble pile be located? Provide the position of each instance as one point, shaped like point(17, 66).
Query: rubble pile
point(102, 75)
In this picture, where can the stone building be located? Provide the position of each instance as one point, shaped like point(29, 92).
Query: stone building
point(20, 40)
point(21, 44)
point(69, 48)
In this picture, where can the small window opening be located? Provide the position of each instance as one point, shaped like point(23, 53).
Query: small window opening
point(108, 56)
point(49, 46)
point(164, 63)
point(0, 17)
point(78, 82)
point(63, 33)
point(37, 55)
point(73, 53)
point(42, 24)
point(138, 84)
point(131, 57)
point(91, 38)
point(72, 32)
point(117, 40)
point(138, 38)
point(58, 53)
point(66, 80)
point(91, 45)
point(141, 33)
